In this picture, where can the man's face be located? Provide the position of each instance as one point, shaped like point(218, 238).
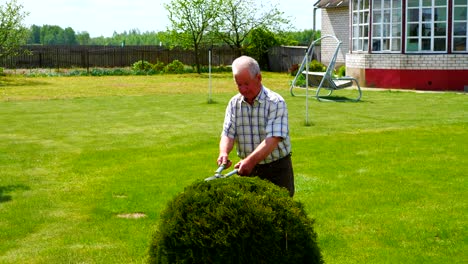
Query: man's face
point(249, 87)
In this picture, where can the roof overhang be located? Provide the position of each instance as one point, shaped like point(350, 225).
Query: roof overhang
point(331, 3)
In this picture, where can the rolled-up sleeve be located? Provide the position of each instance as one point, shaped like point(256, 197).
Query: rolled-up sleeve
point(229, 125)
point(277, 125)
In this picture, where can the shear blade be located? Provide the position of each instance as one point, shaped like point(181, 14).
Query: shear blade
point(213, 177)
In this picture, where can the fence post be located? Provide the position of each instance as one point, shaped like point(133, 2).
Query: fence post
point(307, 87)
point(209, 75)
point(57, 59)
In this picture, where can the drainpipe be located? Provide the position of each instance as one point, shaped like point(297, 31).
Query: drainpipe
point(314, 22)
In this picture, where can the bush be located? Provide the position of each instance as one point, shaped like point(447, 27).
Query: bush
point(121, 72)
point(77, 72)
point(224, 68)
point(175, 67)
point(142, 66)
point(341, 71)
point(235, 220)
point(300, 81)
point(316, 66)
point(215, 69)
point(158, 67)
point(97, 72)
point(293, 70)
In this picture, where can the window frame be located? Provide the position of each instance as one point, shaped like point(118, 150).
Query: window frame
point(423, 18)
point(456, 6)
point(360, 21)
point(394, 22)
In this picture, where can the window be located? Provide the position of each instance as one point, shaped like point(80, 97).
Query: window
point(460, 23)
point(360, 25)
point(386, 26)
point(426, 25)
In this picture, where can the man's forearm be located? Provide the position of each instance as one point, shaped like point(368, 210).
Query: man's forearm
point(267, 146)
point(226, 144)
point(263, 150)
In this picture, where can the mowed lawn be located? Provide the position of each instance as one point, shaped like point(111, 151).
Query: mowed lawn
point(88, 163)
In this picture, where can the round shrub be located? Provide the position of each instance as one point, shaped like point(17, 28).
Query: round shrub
point(316, 66)
point(175, 66)
point(141, 66)
point(158, 67)
point(235, 220)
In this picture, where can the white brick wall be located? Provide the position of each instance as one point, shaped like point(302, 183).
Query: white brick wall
point(408, 62)
point(335, 22)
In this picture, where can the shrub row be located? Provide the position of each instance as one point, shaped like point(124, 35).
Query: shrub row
point(138, 68)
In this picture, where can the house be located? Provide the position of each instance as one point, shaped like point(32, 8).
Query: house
point(406, 44)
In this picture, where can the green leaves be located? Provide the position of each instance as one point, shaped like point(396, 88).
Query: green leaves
point(235, 220)
point(12, 32)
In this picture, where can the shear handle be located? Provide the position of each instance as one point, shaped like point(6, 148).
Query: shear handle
point(220, 169)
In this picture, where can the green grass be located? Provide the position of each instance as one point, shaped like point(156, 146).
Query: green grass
point(384, 178)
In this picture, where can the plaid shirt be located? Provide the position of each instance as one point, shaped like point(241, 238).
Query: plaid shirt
point(249, 124)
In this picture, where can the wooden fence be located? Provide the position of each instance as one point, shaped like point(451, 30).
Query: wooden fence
point(280, 58)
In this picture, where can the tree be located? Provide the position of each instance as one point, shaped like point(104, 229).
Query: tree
point(190, 20)
point(302, 38)
point(83, 38)
point(55, 35)
point(12, 32)
point(69, 36)
point(238, 18)
point(51, 35)
point(260, 41)
point(35, 35)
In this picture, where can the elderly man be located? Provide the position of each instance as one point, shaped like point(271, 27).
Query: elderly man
point(256, 121)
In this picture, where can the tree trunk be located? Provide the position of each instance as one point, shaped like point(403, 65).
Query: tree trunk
point(197, 59)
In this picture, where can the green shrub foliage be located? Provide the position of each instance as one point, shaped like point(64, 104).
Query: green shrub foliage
point(175, 67)
point(341, 71)
point(142, 66)
point(316, 66)
point(158, 67)
point(235, 220)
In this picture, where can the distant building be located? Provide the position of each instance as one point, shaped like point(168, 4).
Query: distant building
point(407, 44)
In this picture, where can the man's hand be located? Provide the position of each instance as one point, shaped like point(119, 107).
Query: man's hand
point(225, 146)
point(245, 167)
point(223, 159)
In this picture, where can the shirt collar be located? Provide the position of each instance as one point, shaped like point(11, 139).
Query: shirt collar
point(260, 96)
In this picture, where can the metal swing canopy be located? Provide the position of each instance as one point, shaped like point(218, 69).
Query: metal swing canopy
point(325, 80)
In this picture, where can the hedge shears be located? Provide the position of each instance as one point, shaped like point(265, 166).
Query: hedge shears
point(218, 174)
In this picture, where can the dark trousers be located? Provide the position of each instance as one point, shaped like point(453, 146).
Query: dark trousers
point(279, 172)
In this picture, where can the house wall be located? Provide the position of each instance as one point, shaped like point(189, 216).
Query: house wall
point(335, 21)
point(422, 72)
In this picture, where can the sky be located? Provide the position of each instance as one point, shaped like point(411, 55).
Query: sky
point(104, 17)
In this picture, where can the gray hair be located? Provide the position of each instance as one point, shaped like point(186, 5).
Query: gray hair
point(246, 62)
